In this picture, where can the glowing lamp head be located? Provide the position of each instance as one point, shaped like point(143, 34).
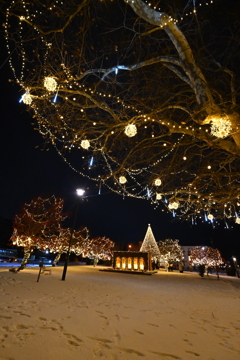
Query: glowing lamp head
point(122, 180)
point(50, 83)
point(80, 192)
point(130, 130)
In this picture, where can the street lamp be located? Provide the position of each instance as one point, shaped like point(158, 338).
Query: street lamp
point(80, 193)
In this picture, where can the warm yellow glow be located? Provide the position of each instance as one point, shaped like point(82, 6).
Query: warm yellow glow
point(129, 263)
point(158, 182)
point(50, 83)
point(141, 264)
point(124, 263)
point(220, 127)
point(122, 180)
point(118, 262)
point(130, 130)
point(237, 221)
point(173, 205)
point(135, 263)
point(27, 98)
point(210, 217)
point(85, 144)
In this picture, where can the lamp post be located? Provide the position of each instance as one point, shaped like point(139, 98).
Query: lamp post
point(80, 193)
point(236, 266)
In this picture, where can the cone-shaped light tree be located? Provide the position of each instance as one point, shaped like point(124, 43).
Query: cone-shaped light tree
point(149, 96)
point(150, 245)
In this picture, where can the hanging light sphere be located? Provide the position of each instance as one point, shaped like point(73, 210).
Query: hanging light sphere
point(130, 130)
point(210, 217)
point(237, 221)
point(158, 182)
point(220, 127)
point(158, 196)
point(85, 144)
point(173, 205)
point(50, 83)
point(27, 98)
point(122, 180)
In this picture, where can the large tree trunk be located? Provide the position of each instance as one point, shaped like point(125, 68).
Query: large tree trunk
point(56, 259)
point(27, 254)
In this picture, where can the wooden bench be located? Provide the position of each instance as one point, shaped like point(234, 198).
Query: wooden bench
point(45, 270)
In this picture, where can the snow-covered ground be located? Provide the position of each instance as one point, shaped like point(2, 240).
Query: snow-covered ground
point(103, 315)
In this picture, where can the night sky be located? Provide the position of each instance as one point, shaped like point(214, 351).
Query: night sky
point(28, 172)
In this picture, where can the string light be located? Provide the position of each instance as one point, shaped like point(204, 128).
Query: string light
point(69, 90)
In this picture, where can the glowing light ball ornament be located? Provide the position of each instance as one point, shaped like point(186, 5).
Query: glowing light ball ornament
point(158, 182)
point(85, 144)
point(130, 130)
point(50, 83)
point(122, 180)
point(173, 205)
point(158, 196)
point(237, 221)
point(210, 217)
point(220, 127)
point(27, 98)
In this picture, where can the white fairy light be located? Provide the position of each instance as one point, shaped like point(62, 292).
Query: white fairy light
point(85, 144)
point(210, 217)
point(220, 127)
point(27, 98)
point(50, 83)
point(158, 182)
point(130, 130)
point(122, 180)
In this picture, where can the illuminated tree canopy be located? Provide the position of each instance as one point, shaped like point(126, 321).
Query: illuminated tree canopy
point(170, 250)
point(146, 94)
point(205, 256)
point(38, 225)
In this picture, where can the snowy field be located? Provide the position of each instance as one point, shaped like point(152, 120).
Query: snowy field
point(103, 315)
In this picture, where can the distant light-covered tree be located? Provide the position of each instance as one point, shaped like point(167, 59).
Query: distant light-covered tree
point(98, 248)
point(150, 245)
point(37, 224)
point(205, 255)
point(170, 251)
point(59, 244)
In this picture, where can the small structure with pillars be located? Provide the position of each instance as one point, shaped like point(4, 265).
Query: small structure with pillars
point(131, 261)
